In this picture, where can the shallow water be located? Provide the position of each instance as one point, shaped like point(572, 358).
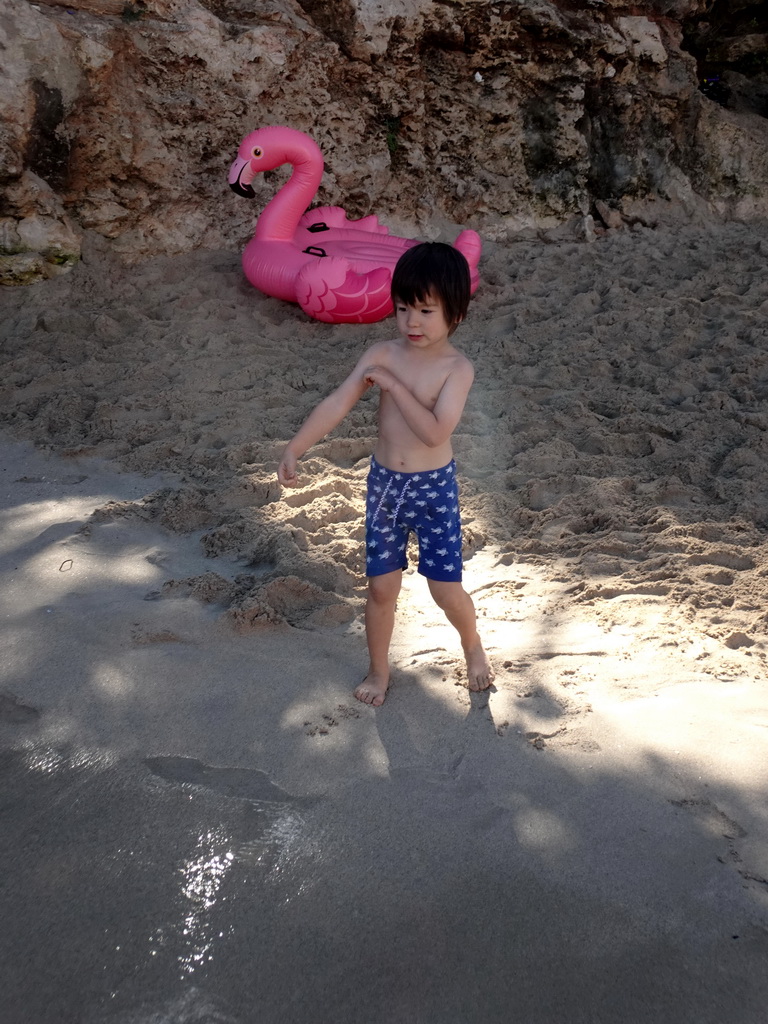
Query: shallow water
point(130, 897)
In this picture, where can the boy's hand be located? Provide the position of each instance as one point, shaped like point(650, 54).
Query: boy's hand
point(286, 471)
point(378, 375)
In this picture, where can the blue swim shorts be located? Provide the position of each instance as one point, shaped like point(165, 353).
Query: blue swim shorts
point(428, 504)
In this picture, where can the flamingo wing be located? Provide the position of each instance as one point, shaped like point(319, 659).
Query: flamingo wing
point(328, 289)
point(336, 217)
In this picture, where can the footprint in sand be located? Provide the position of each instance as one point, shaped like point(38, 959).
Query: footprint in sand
point(712, 817)
point(142, 635)
point(516, 666)
point(539, 739)
point(328, 722)
point(441, 665)
point(719, 823)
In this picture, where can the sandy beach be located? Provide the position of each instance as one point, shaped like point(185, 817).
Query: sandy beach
point(201, 824)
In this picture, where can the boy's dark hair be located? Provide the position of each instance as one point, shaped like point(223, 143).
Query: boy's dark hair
point(437, 269)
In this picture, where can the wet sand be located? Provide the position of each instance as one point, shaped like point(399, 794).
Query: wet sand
point(199, 820)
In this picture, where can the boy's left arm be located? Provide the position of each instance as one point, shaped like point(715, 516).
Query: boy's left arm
point(432, 426)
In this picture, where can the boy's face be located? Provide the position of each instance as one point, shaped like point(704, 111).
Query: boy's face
point(423, 325)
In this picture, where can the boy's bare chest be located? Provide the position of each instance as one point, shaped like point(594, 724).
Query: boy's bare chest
point(424, 382)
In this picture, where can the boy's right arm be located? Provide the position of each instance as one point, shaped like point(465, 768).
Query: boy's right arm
point(323, 418)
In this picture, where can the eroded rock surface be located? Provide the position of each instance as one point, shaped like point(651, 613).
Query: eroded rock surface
point(507, 117)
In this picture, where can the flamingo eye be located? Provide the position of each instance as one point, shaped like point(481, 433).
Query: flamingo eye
point(257, 151)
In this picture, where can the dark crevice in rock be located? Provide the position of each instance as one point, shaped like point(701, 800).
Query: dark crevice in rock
point(336, 20)
point(541, 127)
point(730, 44)
point(445, 42)
point(47, 150)
point(244, 12)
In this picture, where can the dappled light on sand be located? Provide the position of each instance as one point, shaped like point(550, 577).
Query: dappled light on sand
point(193, 801)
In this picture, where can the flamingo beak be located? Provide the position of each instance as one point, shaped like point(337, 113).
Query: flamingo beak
point(240, 178)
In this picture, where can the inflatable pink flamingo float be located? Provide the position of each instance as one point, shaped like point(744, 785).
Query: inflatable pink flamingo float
point(338, 270)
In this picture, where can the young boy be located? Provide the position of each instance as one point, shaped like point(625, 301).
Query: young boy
point(423, 382)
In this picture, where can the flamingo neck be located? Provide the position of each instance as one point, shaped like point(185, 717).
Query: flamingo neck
point(280, 217)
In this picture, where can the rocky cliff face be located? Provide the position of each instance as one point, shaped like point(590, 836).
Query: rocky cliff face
point(514, 116)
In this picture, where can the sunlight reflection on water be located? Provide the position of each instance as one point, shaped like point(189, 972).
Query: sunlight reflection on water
point(221, 871)
point(203, 877)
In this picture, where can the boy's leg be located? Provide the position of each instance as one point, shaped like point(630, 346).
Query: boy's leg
point(460, 612)
point(379, 623)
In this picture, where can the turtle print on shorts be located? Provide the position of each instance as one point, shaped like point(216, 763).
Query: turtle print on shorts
point(425, 502)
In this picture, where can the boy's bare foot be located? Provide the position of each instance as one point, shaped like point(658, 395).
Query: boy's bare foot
point(373, 689)
point(480, 673)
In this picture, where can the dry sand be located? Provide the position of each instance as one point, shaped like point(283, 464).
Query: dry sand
point(200, 822)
